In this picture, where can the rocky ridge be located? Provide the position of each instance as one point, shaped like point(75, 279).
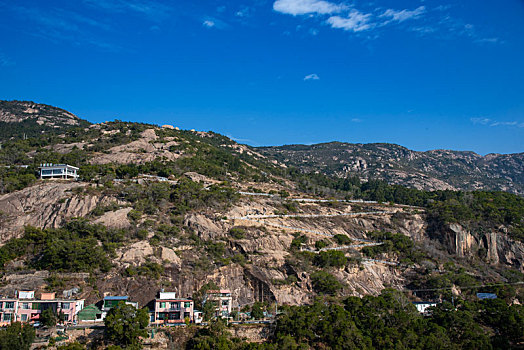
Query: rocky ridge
point(431, 170)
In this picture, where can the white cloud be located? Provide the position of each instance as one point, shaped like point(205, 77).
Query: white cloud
point(243, 12)
point(488, 40)
point(492, 123)
point(313, 31)
point(311, 77)
point(403, 15)
point(208, 23)
point(356, 21)
point(303, 7)
point(356, 120)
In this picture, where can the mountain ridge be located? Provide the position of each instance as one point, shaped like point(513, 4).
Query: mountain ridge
point(438, 169)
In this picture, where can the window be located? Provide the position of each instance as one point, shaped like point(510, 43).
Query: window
point(225, 302)
point(65, 306)
point(162, 305)
point(187, 314)
point(7, 317)
point(66, 317)
point(175, 305)
point(9, 305)
point(24, 318)
point(25, 306)
point(1, 304)
point(187, 304)
point(173, 316)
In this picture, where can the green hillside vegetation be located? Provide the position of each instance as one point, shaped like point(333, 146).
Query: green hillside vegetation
point(387, 321)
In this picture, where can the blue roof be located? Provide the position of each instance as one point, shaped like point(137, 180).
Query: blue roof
point(486, 296)
point(116, 298)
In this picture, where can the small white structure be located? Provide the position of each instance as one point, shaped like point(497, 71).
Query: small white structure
point(198, 316)
point(26, 294)
point(58, 171)
point(422, 306)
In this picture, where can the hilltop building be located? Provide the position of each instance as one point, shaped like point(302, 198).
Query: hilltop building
point(58, 171)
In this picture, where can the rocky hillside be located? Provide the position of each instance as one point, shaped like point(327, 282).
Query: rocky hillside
point(431, 170)
point(26, 118)
point(158, 207)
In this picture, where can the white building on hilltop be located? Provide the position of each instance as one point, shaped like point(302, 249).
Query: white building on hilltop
point(58, 171)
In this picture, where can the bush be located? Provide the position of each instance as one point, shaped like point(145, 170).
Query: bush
point(237, 232)
point(334, 258)
point(342, 239)
point(325, 283)
point(321, 244)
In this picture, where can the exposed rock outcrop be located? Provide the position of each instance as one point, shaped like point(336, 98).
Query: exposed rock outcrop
point(47, 205)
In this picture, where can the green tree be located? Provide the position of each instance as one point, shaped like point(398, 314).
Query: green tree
point(125, 325)
point(256, 311)
point(325, 283)
point(17, 336)
point(48, 318)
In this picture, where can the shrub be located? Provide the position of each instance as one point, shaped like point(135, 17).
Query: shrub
point(325, 283)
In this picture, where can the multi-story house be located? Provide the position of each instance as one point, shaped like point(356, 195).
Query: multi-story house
point(8, 310)
point(110, 302)
point(169, 309)
point(223, 301)
point(30, 308)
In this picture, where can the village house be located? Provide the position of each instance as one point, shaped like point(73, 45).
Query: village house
point(8, 309)
point(223, 301)
point(58, 171)
point(169, 309)
point(110, 302)
point(30, 308)
point(27, 308)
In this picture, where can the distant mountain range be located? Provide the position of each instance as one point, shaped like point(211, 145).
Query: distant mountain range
point(431, 170)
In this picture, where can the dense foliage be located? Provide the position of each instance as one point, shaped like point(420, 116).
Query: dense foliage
point(17, 336)
point(73, 248)
point(387, 321)
point(124, 325)
point(396, 243)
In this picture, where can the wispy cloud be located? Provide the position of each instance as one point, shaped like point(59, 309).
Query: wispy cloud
point(402, 15)
point(153, 10)
point(356, 21)
point(356, 120)
point(425, 21)
point(311, 77)
point(304, 7)
point(59, 25)
point(5, 61)
point(212, 22)
point(493, 123)
point(244, 12)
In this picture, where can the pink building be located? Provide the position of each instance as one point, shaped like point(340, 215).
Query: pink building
point(30, 308)
point(223, 301)
point(172, 310)
point(8, 309)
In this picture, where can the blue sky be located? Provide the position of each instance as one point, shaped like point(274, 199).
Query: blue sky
point(423, 74)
